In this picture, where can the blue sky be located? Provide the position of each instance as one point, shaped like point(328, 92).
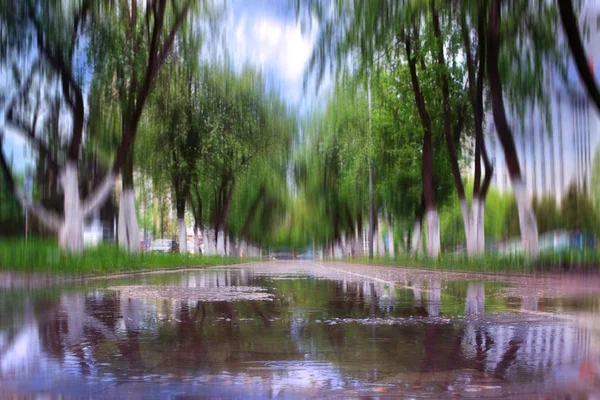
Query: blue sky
point(266, 34)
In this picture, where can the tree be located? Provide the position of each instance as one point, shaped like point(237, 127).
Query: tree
point(176, 120)
point(147, 39)
point(57, 33)
point(571, 29)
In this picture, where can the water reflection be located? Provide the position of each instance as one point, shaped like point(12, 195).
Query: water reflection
point(475, 298)
point(434, 298)
point(98, 334)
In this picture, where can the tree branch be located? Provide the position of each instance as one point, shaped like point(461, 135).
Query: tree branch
point(445, 104)
point(29, 133)
point(21, 127)
point(69, 84)
point(571, 28)
point(49, 219)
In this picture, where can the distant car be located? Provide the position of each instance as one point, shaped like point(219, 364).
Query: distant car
point(305, 256)
point(164, 246)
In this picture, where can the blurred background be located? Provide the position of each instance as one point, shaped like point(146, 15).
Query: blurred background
point(394, 130)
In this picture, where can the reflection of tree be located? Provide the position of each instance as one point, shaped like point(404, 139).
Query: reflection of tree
point(475, 298)
point(191, 329)
point(191, 340)
point(530, 303)
point(509, 356)
point(481, 349)
point(373, 298)
point(434, 297)
point(52, 326)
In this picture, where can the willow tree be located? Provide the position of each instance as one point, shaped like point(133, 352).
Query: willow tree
point(472, 26)
point(332, 169)
point(369, 31)
point(237, 120)
point(146, 35)
point(261, 210)
point(176, 129)
point(57, 37)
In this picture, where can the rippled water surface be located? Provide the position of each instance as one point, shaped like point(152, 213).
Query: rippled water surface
point(315, 330)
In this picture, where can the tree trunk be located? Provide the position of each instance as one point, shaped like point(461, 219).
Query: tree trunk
point(476, 243)
point(464, 206)
point(431, 215)
point(371, 212)
point(475, 301)
point(416, 236)
point(182, 229)
point(128, 230)
point(391, 238)
point(480, 221)
point(571, 29)
point(219, 243)
point(196, 241)
point(206, 240)
point(70, 236)
point(527, 221)
point(433, 232)
point(469, 225)
point(359, 237)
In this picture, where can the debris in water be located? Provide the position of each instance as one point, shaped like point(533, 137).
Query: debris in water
point(222, 293)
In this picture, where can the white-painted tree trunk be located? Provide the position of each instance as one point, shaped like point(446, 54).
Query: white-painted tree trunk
point(70, 236)
point(434, 298)
point(380, 244)
point(474, 226)
point(475, 303)
point(196, 241)
point(128, 230)
point(469, 226)
point(478, 207)
point(417, 294)
point(527, 221)
point(220, 244)
point(358, 245)
point(182, 235)
point(433, 233)
point(208, 246)
point(530, 303)
point(481, 227)
point(243, 248)
point(391, 241)
point(417, 236)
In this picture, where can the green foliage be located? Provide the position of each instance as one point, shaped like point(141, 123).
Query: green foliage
point(12, 218)
point(578, 211)
point(547, 213)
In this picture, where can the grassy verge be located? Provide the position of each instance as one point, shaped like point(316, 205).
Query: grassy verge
point(43, 256)
point(568, 261)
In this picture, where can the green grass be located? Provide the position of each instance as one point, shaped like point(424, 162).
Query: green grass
point(43, 256)
point(498, 263)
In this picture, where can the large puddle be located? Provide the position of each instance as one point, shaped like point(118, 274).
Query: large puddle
point(298, 330)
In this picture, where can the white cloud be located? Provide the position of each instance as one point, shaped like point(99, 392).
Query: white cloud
point(273, 45)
